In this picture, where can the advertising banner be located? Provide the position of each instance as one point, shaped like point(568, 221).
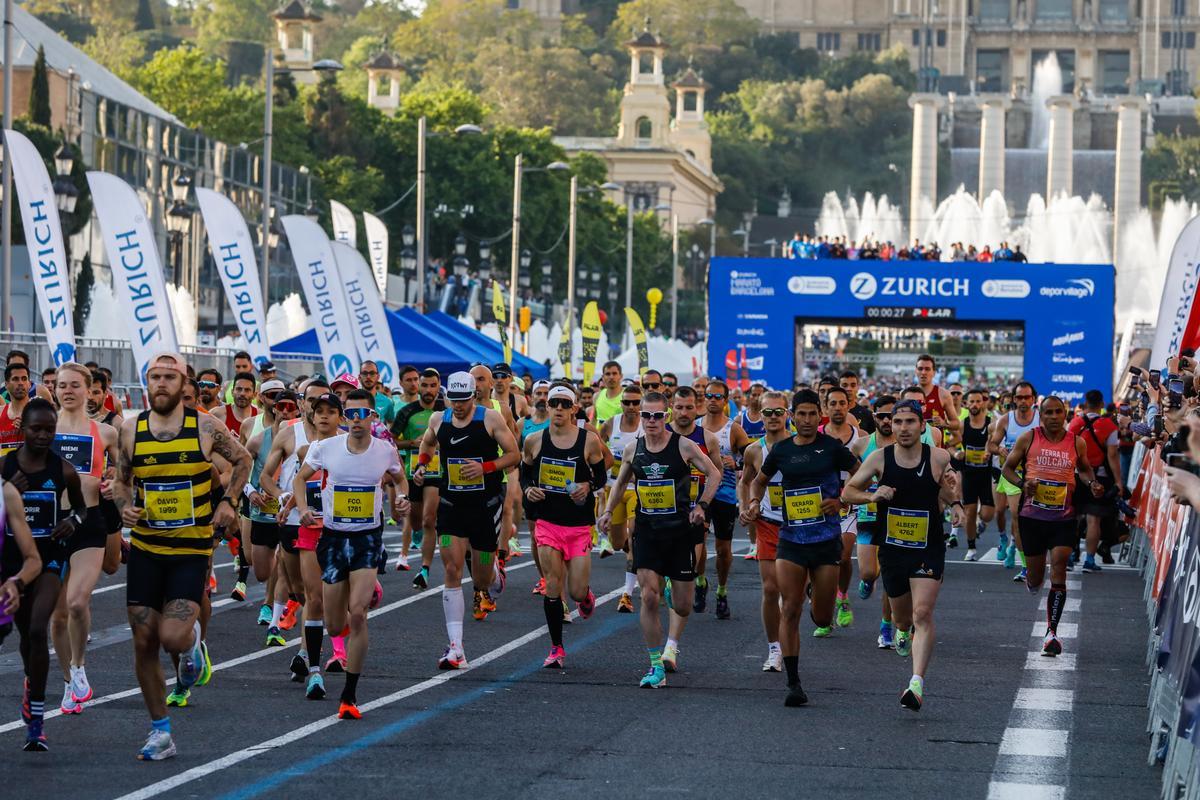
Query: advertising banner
point(372, 336)
point(1178, 313)
point(377, 248)
point(322, 282)
point(639, 339)
point(589, 327)
point(344, 229)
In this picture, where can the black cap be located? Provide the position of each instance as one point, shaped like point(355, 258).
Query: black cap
point(328, 399)
point(503, 368)
point(266, 366)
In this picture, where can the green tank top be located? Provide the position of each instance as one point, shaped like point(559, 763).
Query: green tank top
point(607, 407)
point(418, 423)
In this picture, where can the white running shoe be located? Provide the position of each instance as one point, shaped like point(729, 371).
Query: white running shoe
point(69, 706)
point(774, 662)
point(81, 690)
point(402, 563)
point(970, 556)
point(158, 746)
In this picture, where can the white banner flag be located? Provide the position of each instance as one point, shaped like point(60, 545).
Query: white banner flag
point(377, 247)
point(233, 252)
point(318, 270)
point(44, 240)
point(1179, 291)
point(344, 227)
point(136, 269)
point(369, 320)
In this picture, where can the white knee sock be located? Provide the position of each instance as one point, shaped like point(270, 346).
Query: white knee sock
point(453, 605)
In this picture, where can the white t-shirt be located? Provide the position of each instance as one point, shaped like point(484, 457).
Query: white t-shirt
point(352, 497)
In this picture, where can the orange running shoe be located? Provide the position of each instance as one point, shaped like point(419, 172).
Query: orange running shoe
point(487, 603)
point(539, 587)
point(288, 620)
point(348, 711)
point(212, 583)
point(235, 547)
point(478, 610)
point(625, 604)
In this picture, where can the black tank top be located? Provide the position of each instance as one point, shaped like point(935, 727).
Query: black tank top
point(661, 481)
point(43, 510)
point(974, 442)
point(698, 478)
point(553, 470)
point(456, 446)
point(912, 521)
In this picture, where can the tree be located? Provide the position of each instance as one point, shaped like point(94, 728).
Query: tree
point(688, 26)
point(84, 282)
point(191, 85)
point(549, 87)
point(39, 92)
point(219, 21)
point(144, 19)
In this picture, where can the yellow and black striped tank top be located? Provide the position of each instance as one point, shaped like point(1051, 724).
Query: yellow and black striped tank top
point(172, 483)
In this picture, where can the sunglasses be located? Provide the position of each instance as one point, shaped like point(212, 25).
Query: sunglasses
point(358, 413)
point(654, 416)
point(957, 394)
point(883, 415)
point(713, 396)
point(206, 384)
point(369, 372)
point(670, 385)
point(774, 412)
point(498, 375)
point(286, 407)
point(631, 402)
point(270, 396)
point(651, 385)
point(559, 402)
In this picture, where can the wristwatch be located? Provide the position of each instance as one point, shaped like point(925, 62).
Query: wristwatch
point(703, 504)
point(225, 499)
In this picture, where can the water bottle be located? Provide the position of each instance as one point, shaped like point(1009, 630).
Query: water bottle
point(571, 488)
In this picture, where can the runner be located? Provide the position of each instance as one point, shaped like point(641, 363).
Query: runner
point(731, 441)
point(97, 393)
point(91, 448)
point(46, 483)
point(1051, 456)
point(208, 382)
point(868, 514)
point(770, 516)
point(467, 438)
point(408, 427)
point(1101, 437)
point(975, 464)
point(810, 542)
point(841, 426)
point(355, 466)
point(21, 567)
point(16, 384)
point(608, 399)
point(164, 491)
point(937, 403)
point(912, 555)
point(619, 431)
point(863, 418)
point(662, 463)
point(561, 468)
point(539, 420)
point(1005, 432)
point(242, 407)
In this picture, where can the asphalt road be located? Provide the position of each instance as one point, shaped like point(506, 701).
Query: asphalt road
point(507, 728)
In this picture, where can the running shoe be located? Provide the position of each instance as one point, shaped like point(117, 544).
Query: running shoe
point(298, 668)
point(1010, 558)
point(81, 691)
point(606, 548)
point(670, 658)
point(1072, 558)
point(1051, 646)
point(348, 711)
point(952, 542)
point(903, 644)
point(845, 617)
point(500, 581)
point(275, 638)
point(264, 616)
point(315, 689)
point(191, 663)
point(159, 745)
point(587, 606)
point(239, 592)
point(212, 583)
point(625, 604)
point(654, 679)
point(35, 740)
point(421, 580)
point(865, 589)
point(206, 669)
point(774, 662)
point(178, 698)
point(701, 601)
point(487, 603)
point(288, 620)
point(970, 555)
point(539, 587)
point(566, 613)
point(1020, 576)
point(913, 696)
point(822, 631)
point(477, 610)
point(26, 714)
point(751, 554)
point(336, 662)
point(722, 607)
point(1002, 547)
point(555, 659)
point(514, 547)
point(402, 563)
point(69, 704)
point(418, 537)
point(453, 658)
point(1091, 566)
point(795, 696)
point(887, 636)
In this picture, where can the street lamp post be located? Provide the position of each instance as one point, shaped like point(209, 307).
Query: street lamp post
point(179, 222)
point(408, 260)
point(547, 290)
point(572, 243)
point(519, 169)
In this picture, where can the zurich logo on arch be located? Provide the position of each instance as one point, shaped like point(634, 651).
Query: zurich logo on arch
point(339, 364)
point(863, 286)
point(63, 353)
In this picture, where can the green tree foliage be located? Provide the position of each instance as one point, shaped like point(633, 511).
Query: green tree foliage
point(1171, 167)
point(218, 21)
point(191, 85)
point(144, 18)
point(689, 27)
point(39, 91)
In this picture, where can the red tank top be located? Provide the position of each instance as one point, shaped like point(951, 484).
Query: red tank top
point(933, 405)
point(233, 423)
point(11, 435)
point(1049, 477)
point(85, 452)
point(110, 403)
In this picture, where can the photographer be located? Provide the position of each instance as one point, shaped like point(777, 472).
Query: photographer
point(1100, 436)
point(1183, 454)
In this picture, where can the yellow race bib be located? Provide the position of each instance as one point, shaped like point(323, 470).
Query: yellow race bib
point(775, 496)
point(554, 474)
point(907, 528)
point(353, 505)
point(454, 477)
point(168, 504)
point(803, 506)
point(976, 456)
point(656, 496)
point(432, 470)
point(270, 505)
point(1050, 495)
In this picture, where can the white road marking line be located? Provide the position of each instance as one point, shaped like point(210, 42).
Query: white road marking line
point(253, 656)
point(1076, 585)
point(1025, 791)
point(1063, 663)
point(203, 770)
point(1066, 630)
point(1042, 742)
point(1043, 700)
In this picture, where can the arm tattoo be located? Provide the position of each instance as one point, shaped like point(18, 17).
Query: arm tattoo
point(232, 451)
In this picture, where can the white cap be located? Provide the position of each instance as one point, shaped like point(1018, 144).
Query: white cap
point(460, 386)
point(541, 385)
point(272, 385)
point(561, 391)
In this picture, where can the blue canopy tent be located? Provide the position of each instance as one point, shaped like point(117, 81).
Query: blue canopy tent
point(446, 327)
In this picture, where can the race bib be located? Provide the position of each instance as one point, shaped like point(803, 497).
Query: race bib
point(554, 474)
point(9, 446)
point(454, 477)
point(432, 470)
point(75, 449)
point(1050, 495)
point(312, 491)
point(868, 512)
point(41, 512)
point(976, 456)
point(775, 496)
point(656, 496)
point(270, 506)
point(169, 504)
point(906, 528)
point(802, 506)
point(353, 505)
